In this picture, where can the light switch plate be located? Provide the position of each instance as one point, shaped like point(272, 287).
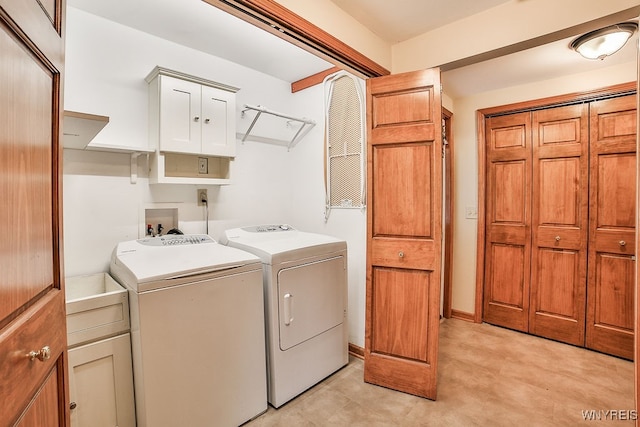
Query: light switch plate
point(471, 212)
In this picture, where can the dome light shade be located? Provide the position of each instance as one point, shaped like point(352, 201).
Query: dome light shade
point(606, 41)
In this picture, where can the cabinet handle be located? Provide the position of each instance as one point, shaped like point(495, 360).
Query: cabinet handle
point(557, 238)
point(43, 354)
point(73, 405)
point(196, 118)
point(207, 120)
point(622, 243)
point(288, 314)
point(401, 254)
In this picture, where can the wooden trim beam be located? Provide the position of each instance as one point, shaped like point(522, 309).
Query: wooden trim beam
point(571, 98)
point(277, 19)
point(480, 244)
point(312, 80)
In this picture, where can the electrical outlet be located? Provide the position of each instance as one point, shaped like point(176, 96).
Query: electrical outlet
point(203, 198)
point(203, 165)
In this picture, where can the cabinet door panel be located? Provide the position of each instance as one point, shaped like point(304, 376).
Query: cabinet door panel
point(101, 383)
point(179, 115)
point(218, 122)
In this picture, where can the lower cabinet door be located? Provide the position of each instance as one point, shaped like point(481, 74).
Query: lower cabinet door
point(101, 383)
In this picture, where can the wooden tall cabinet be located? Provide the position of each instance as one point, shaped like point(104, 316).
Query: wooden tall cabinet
point(33, 388)
point(560, 212)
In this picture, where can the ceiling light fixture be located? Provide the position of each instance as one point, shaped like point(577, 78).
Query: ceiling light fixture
point(606, 41)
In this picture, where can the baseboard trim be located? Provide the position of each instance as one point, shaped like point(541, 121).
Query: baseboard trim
point(356, 351)
point(463, 315)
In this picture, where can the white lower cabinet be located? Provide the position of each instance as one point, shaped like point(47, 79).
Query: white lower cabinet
point(101, 383)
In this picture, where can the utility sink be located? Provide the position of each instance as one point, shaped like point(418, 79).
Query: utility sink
point(97, 307)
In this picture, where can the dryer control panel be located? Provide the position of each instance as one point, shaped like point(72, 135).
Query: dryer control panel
point(176, 240)
point(268, 228)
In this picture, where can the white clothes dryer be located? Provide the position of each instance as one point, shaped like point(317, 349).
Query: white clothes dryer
point(305, 283)
point(197, 330)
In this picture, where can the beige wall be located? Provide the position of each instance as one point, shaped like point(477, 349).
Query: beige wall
point(507, 24)
point(326, 15)
point(512, 22)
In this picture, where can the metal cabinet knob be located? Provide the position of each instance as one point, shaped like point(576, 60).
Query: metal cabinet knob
point(43, 354)
point(207, 120)
point(73, 405)
point(557, 238)
point(196, 118)
point(622, 243)
point(401, 254)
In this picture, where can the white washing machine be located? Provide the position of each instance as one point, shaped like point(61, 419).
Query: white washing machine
point(197, 330)
point(305, 278)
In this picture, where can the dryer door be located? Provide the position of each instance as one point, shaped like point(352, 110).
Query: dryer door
point(311, 299)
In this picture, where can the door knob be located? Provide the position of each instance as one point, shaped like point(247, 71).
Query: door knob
point(43, 354)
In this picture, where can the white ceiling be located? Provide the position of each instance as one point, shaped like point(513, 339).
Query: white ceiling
point(198, 25)
point(399, 20)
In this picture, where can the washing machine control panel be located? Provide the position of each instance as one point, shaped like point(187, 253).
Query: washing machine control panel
point(268, 228)
point(176, 240)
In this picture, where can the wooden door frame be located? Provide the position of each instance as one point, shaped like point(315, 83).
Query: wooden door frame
point(637, 305)
point(481, 115)
point(447, 207)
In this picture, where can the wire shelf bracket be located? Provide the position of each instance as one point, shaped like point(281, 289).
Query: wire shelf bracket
point(305, 126)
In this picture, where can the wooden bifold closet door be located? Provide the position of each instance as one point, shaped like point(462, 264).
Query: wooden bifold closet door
point(560, 212)
point(610, 309)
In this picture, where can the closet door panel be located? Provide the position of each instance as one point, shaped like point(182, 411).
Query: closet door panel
point(559, 223)
point(558, 267)
point(610, 287)
point(614, 284)
point(508, 232)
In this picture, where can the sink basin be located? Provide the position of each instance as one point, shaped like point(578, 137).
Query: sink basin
point(92, 286)
point(97, 307)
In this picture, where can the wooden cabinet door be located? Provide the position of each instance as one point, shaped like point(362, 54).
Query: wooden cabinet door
point(404, 248)
point(610, 288)
point(508, 221)
point(559, 223)
point(180, 115)
point(32, 306)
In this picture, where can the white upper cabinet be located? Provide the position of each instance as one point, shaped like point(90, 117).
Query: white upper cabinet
point(191, 115)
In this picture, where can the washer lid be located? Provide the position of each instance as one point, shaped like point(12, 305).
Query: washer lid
point(282, 241)
point(176, 256)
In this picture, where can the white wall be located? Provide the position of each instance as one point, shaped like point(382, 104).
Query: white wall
point(308, 208)
point(106, 67)
point(466, 161)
